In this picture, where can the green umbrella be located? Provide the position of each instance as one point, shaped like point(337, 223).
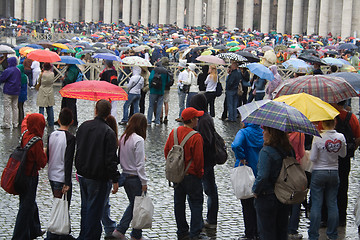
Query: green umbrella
point(234, 49)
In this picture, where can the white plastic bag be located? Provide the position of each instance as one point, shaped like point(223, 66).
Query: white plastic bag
point(357, 212)
point(242, 180)
point(143, 212)
point(59, 222)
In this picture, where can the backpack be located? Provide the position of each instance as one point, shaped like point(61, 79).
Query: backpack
point(345, 128)
point(175, 163)
point(156, 81)
point(13, 178)
point(79, 77)
point(291, 184)
point(219, 89)
point(220, 149)
point(171, 82)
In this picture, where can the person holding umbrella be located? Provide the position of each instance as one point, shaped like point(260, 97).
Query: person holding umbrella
point(109, 74)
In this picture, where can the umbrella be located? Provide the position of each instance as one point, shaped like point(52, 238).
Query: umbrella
point(107, 56)
point(44, 56)
point(210, 59)
point(104, 50)
point(328, 89)
point(99, 45)
point(7, 44)
point(349, 46)
point(71, 60)
point(267, 48)
point(6, 49)
point(261, 71)
point(280, 47)
point(347, 68)
point(232, 44)
point(234, 49)
point(137, 61)
point(277, 115)
point(36, 46)
point(220, 47)
point(249, 56)
point(45, 44)
point(333, 61)
point(350, 77)
point(312, 107)
point(232, 56)
point(311, 59)
point(297, 65)
point(93, 90)
point(60, 45)
point(296, 46)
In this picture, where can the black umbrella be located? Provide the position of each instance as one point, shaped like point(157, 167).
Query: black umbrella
point(63, 41)
point(220, 47)
point(311, 59)
point(310, 51)
point(104, 50)
point(348, 46)
point(332, 53)
point(99, 45)
point(249, 56)
point(177, 40)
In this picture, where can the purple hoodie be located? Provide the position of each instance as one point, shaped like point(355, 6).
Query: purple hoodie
point(12, 78)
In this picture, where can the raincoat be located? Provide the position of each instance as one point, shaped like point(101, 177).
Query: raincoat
point(23, 90)
point(12, 78)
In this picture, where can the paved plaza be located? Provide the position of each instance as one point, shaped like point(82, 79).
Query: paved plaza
point(230, 220)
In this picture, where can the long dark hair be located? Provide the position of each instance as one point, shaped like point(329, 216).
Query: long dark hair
point(111, 121)
point(278, 139)
point(137, 124)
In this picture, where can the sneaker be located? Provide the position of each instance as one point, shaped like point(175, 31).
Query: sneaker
point(122, 123)
point(118, 235)
point(295, 236)
point(209, 225)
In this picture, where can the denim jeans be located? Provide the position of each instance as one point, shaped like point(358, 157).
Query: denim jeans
point(190, 187)
point(182, 97)
point(158, 100)
point(133, 99)
point(27, 225)
point(249, 215)
point(272, 217)
point(210, 190)
point(93, 196)
point(109, 225)
point(232, 102)
point(324, 182)
point(132, 187)
point(50, 114)
point(259, 96)
point(294, 219)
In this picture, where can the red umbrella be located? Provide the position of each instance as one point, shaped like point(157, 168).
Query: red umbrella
point(44, 56)
point(93, 90)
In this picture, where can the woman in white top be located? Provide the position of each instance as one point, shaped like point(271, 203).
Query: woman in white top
point(324, 154)
point(36, 70)
point(192, 81)
point(211, 82)
point(132, 161)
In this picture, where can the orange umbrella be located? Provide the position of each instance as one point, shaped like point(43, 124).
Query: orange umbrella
point(94, 90)
point(23, 49)
point(44, 56)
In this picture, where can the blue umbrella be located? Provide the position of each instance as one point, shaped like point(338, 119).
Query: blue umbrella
point(349, 46)
point(107, 56)
point(36, 46)
point(133, 45)
point(71, 60)
point(260, 71)
point(352, 78)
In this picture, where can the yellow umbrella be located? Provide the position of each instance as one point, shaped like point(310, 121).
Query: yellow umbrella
point(172, 49)
point(23, 49)
point(347, 68)
point(28, 51)
point(205, 53)
point(320, 43)
point(60, 45)
point(312, 107)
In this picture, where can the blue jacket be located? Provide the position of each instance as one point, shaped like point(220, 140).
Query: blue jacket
point(233, 80)
point(12, 78)
point(247, 145)
point(165, 79)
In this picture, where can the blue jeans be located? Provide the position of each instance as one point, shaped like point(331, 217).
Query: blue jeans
point(232, 102)
point(272, 217)
point(324, 182)
point(158, 100)
point(182, 97)
point(132, 187)
point(27, 225)
point(294, 219)
point(210, 190)
point(133, 99)
point(93, 197)
point(109, 225)
point(190, 187)
point(50, 114)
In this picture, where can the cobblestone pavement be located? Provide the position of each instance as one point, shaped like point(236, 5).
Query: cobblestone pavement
point(230, 221)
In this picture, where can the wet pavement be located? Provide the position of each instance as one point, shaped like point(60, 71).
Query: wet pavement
point(230, 220)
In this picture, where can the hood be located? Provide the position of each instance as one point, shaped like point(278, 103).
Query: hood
point(21, 68)
point(199, 102)
point(12, 62)
point(36, 124)
point(23, 76)
point(255, 136)
point(136, 70)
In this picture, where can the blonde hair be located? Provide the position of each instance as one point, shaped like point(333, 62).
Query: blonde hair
point(213, 75)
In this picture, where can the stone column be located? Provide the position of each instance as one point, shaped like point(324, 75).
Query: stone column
point(96, 10)
point(69, 10)
point(107, 11)
point(296, 25)
point(324, 18)
point(215, 13)
point(172, 18)
point(281, 16)
point(191, 12)
point(356, 19)
point(28, 10)
point(126, 12)
point(36, 10)
point(145, 12)
point(76, 13)
point(248, 19)
point(115, 11)
point(163, 10)
point(198, 13)
point(311, 17)
point(154, 12)
point(209, 12)
point(265, 16)
point(18, 9)
point(50, 10)
point(56, 9)
point(180, 13)
point(88, 10)
point(231, 14)
point(346, 18)
point(135, 6)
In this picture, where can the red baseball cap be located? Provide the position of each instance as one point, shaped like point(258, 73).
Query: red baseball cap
point(190, 113)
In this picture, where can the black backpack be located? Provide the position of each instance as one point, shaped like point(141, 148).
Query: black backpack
point(156, 81)
point(345, 128)
point(171, 82)
point(220, 149)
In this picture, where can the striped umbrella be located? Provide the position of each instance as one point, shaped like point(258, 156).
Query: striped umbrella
point(328, 89)
point(232, 56)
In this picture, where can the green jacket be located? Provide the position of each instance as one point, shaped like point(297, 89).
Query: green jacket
point(71, 74)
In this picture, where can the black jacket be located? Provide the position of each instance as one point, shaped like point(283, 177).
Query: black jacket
point(96, 151)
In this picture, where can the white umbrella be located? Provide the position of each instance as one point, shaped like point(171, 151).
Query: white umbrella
point(6, 49)
point(137, 61)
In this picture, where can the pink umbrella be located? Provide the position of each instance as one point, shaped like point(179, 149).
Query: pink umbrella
point(210, 59)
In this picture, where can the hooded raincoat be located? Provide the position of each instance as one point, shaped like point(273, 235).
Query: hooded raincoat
point(12, 78)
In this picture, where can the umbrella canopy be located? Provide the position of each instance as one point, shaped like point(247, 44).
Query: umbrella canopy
point(137, 61)
point(328, 89)
point(232, 56)
point(107, 56)
point(60, 45)
point(350, 77)
point(93, 90)
point(261, 71)
point(333, 61)
point(311, 59)
point(349, 46)
point(249, 56)
point(312, 107)
point(220, 47)
point(210, 59)
point(44, 56)
point(6, 49)
point(277, 115)
point(297, 65)
point(71, 60)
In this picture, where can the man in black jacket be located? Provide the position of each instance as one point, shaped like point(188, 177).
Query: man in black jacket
point(96, 164)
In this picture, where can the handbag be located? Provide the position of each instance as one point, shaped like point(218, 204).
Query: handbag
point(240, 90)
point(306, 163)
point(219, 89)
point(59, 222)
point(143, 212)
point(186, 88)
point(37, 86)
point(242, 179)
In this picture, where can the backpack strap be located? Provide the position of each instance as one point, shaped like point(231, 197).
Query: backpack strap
point(347, 119)
point(175, 137)
point(32, 141)
point(21, 137)
point(189, 135)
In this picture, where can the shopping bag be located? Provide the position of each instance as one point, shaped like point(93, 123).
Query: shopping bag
point(59, 222)
point(143, 212)
point(242, 180)
point(357, 212)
